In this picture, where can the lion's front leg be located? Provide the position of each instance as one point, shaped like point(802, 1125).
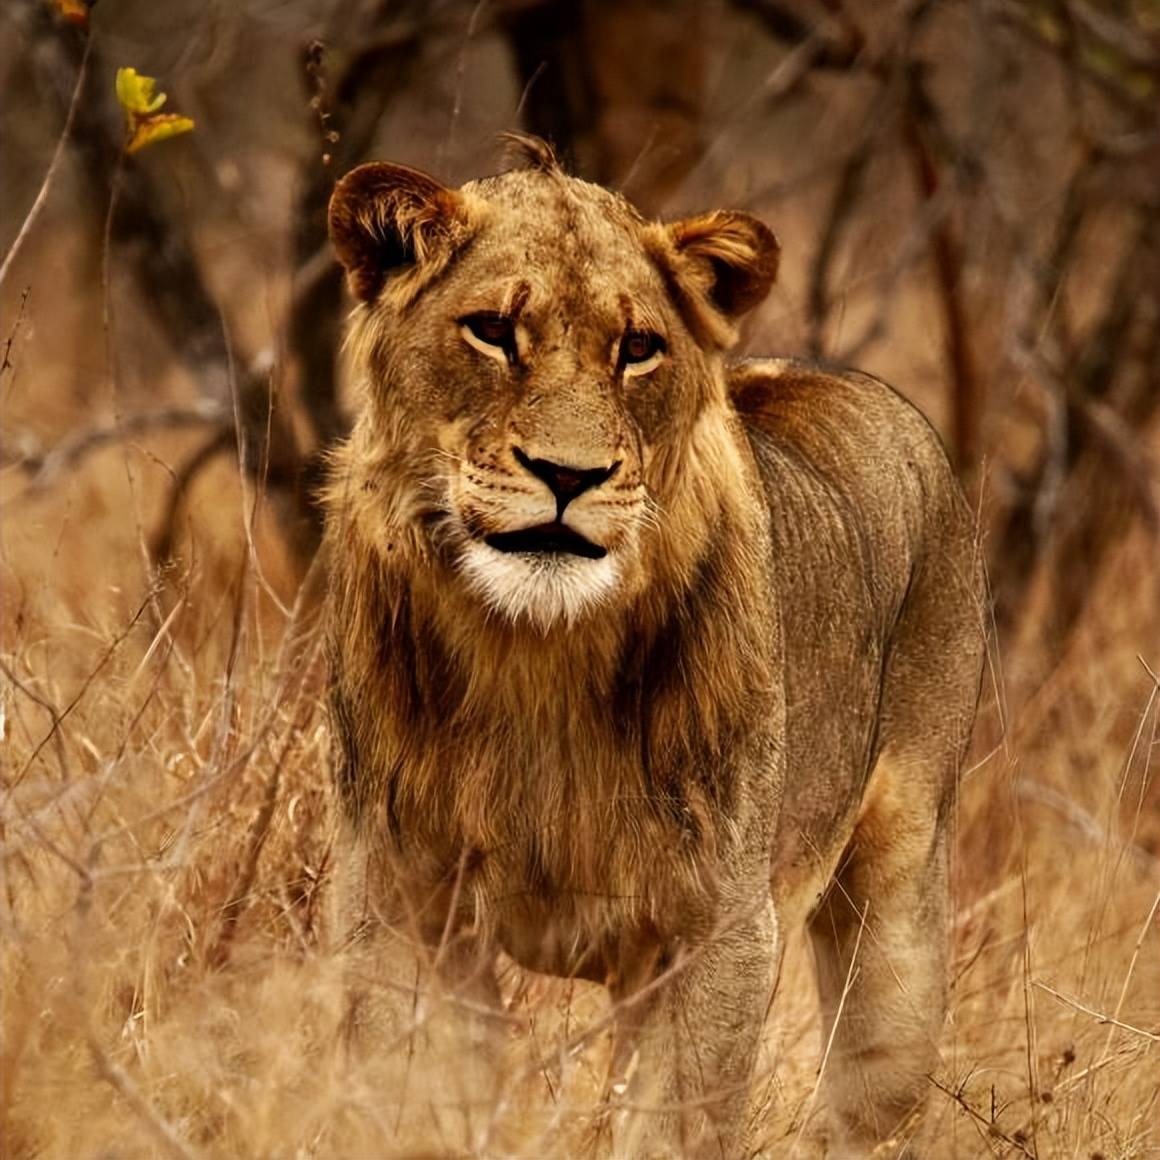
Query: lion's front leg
point(687, 1037)
point(422, 1000)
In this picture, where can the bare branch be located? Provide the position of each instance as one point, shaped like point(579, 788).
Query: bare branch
point(919, 126)
point(827, 46)
point(74, 448)
point(165, 538)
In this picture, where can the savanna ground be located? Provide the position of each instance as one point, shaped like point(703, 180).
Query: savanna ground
point(166, 822)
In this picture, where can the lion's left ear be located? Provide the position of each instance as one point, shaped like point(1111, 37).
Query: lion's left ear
point(734, 256)
point(387, 220)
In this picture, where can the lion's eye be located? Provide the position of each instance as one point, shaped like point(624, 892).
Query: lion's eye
point(492, 334)
point(640, 351)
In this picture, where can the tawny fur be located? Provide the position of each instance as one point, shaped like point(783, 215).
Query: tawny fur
point(753, 716)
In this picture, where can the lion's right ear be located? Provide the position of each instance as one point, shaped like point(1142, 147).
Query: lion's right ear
point(737, 256)
point(385, 218)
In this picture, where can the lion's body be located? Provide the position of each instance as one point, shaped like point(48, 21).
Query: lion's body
point(748, 709)
point(869, 530)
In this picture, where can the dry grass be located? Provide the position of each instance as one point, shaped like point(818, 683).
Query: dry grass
point(166, 827)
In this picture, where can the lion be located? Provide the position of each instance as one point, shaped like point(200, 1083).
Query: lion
point(640, 658)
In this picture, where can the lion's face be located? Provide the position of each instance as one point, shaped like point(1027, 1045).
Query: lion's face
point(546, 382)
point(532, 344)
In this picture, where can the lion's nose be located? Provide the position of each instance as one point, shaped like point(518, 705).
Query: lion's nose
point(565, 483)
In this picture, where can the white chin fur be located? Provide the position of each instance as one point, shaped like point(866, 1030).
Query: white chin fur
point(543, 589)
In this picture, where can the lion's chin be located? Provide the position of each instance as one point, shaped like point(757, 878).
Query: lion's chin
point(546, 590)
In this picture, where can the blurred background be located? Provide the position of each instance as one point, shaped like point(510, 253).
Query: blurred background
point(967, 194)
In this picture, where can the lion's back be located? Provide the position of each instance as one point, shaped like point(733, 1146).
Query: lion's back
point(870, 532)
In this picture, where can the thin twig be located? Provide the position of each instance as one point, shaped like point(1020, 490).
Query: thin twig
point(1096, 1015)
point(460, 70)
point(219, 953)
point(50, 173)
point(116, 1076)
point(6, 363)
point(1147, 926)
point(62, 716)
point(988, 1125)
point(50, 709)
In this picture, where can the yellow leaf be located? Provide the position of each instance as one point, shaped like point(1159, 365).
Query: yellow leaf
point(136, 93)
point(150, 130)
point(139, 98)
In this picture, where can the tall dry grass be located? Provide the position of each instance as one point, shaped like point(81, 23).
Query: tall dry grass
point(166, 832)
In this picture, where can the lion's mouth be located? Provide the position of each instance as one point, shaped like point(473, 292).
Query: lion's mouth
point(552, 538)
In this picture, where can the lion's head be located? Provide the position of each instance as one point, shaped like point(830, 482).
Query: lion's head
point(542, 369)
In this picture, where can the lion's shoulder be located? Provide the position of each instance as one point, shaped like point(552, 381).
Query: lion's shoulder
point(850, 470)
point(850, 425)
point(763, 388)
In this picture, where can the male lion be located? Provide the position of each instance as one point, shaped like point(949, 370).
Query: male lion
point(639, 657)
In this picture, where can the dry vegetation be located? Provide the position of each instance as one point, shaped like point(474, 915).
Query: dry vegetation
point(169, 986)
point(167, 823)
